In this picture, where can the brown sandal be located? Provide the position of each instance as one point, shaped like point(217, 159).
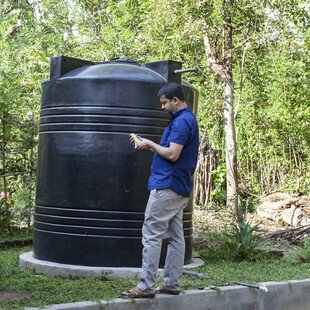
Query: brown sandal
point(137, 293)
point(164, 290)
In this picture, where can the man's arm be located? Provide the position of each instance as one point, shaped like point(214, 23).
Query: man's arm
point(172, 152)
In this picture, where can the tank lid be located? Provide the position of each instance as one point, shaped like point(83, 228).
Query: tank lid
point(63, 67)
point(115, 70)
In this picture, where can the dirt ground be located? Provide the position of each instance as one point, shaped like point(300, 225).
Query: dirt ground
point(219, 220)
point(13, 295)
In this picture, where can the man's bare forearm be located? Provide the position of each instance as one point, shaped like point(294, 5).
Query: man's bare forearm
point(164, 152)
point(171, 153)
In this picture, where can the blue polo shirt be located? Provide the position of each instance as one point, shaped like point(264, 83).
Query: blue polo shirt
point(178, 175)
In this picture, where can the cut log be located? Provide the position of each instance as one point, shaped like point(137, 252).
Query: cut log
point(275, 197)
point(294, 211)
point(292, 216)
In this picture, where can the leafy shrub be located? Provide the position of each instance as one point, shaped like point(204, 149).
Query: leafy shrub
point(246, 202)
point(216, 246)
point(6, 205)
point(23, 202)
point(219, 194)
point(245, 240)
point(302, 255)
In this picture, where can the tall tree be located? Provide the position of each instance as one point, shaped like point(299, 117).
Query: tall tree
point(223, 69)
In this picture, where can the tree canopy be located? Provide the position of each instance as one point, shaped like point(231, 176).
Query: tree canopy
point(270, 65)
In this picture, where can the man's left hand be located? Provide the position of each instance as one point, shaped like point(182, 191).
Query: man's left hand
point(142, 144)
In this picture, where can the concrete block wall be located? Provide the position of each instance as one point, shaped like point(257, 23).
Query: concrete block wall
point(290, 295)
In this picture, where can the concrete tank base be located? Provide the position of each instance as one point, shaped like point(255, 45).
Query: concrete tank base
point(26, 260)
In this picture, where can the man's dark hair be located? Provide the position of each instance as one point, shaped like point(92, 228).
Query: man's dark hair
point(172, 90)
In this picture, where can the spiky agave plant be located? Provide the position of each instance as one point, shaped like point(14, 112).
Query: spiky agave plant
point(246, 238)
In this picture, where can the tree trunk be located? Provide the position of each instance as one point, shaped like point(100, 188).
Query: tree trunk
point(7, 219)
point(229, 123)
point(231, 156)
point(225, 73)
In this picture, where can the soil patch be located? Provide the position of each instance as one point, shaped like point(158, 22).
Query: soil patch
point(14, 296)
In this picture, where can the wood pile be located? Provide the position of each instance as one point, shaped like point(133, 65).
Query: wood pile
point(286, 209)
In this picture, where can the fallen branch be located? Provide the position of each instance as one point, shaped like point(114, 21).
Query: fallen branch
point(293, 235)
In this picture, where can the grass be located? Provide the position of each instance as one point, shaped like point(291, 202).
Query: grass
point(47, 290)
point(51, 290)
point(264, 270)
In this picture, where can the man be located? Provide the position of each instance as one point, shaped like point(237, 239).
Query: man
point(170, 183)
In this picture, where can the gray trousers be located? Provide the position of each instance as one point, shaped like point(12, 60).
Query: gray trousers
point(163, 219)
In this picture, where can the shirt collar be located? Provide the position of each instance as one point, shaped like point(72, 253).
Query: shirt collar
point(177, 113)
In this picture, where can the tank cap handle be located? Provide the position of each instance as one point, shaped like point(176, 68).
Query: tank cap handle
point(185, 70)
point(117, 59)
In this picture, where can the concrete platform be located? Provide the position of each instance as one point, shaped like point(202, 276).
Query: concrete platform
point(26, 260)
point(290, 295)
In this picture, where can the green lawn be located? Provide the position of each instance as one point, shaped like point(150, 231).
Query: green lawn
point(52, 290)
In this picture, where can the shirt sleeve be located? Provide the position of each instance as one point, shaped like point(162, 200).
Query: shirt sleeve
point(180, 132)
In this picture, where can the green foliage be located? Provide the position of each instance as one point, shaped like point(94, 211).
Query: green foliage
point(301, 255)
point(218, 195)
point(270, 69)
point(19, 235)
point(271, 90)
point(245, 240)
point(6, 206)
point(23, 201)
point(216, 246)
point(246, 203)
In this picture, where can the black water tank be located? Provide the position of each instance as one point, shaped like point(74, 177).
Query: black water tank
point(91, 183)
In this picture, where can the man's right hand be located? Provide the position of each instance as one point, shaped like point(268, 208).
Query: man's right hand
point(134, 139)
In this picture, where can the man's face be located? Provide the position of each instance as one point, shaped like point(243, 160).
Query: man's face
point(168, 105)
